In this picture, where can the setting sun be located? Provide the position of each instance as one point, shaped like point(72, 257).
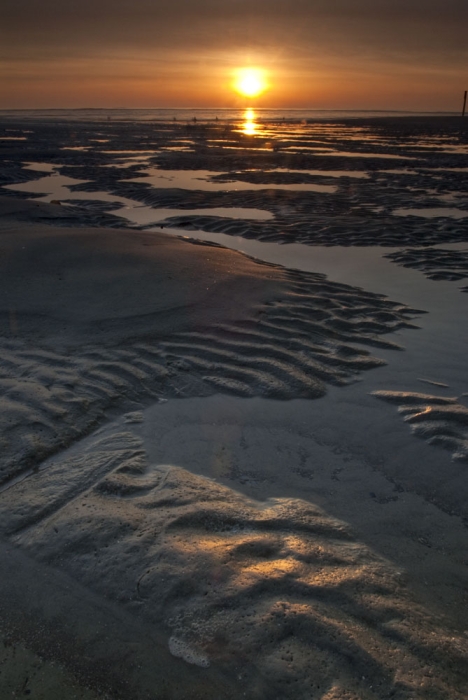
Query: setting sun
point(250, 82)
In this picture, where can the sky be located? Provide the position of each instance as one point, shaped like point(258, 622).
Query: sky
point(317, 54)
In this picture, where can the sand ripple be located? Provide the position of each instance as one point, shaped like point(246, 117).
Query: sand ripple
point(349, 211)
point(306, 332)
point(436, 263)
point(277, 594)
point(310, 218)
point(439, 420)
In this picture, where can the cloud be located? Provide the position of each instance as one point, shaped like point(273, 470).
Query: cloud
point(171, 42)
point(335, 25)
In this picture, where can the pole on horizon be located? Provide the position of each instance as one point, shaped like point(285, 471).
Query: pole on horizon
point(464, 103)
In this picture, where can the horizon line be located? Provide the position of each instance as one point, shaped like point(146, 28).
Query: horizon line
point(223, 109)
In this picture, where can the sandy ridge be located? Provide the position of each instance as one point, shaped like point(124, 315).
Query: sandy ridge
point(435, 263)
point(442, 421)
point(277, 590)
point(109, 317)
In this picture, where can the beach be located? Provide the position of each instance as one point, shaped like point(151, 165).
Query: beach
point(234, 408)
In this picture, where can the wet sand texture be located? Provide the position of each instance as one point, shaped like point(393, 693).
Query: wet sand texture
point(275, 594)
point(403, 163)
point(25, 674)
point(440, 420)
point(299, 217)
point(95, 318)
point(435, 263)
point(238, 597)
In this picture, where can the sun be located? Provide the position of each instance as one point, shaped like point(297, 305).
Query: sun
point(250, 82)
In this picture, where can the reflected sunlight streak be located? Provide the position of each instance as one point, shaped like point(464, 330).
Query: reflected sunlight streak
point(249, 126)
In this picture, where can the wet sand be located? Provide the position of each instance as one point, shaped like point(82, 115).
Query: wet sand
point(435, 263)
point(92, 317)
point(198, 499)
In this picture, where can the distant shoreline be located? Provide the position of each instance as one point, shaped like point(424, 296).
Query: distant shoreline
point(211, 114)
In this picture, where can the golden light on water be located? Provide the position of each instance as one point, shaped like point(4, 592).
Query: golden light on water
point(250, 82)
point(249, 127)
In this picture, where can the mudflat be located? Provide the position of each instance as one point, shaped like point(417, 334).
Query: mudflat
point(200, 493)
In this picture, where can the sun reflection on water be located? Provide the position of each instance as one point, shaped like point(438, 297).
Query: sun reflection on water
point(249, 126)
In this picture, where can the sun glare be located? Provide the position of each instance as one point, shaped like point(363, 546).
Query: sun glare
point(250, 82)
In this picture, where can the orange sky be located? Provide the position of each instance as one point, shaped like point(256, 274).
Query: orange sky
point(340, 54)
